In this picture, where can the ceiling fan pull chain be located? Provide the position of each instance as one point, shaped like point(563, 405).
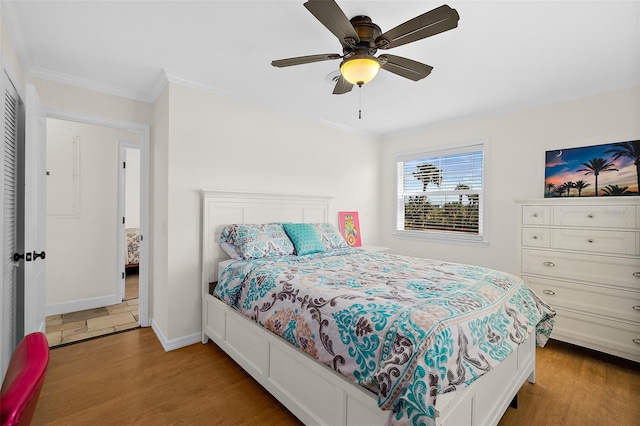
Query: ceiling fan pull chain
point(360, 102)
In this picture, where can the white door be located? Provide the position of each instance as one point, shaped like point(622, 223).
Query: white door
point(35, 212)
point(12, 247)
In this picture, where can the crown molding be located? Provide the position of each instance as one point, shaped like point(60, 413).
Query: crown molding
point(161, 81)
point(14, 25)
point(83, 83)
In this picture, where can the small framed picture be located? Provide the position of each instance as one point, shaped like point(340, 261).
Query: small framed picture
point(350, 228)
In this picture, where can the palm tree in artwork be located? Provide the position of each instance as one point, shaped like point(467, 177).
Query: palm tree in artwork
point(428, 173)
point(628, 150)
point(580, 185)
point(568, 186)
point(549, 187)
point(595, 166)
point(616, 190)
point(560, 190)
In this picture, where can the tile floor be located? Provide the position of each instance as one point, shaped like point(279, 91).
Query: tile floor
point(74, 326)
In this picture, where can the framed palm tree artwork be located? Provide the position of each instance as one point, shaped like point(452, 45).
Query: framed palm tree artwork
point(611, 169)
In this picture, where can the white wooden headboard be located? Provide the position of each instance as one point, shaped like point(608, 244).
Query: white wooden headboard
point(221, 208)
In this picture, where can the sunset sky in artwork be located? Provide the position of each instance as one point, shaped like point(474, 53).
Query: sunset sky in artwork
point(562, 166)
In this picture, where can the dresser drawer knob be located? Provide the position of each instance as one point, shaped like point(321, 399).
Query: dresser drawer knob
point(637, 307)
point(549, 264)
point(549, 292)
point(590, 240)
point(636, 274)
point(636, 341)
point(536, 215)
point(591, 215)
point(535, 237)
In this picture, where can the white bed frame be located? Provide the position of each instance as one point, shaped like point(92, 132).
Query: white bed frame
point(311, 391)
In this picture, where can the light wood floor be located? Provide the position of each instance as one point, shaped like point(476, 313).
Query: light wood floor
point(127, 379)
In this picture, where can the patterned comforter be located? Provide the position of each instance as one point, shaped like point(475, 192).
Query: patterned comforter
point(406, 328)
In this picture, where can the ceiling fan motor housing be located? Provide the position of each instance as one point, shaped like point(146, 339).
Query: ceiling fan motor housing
point(367, 31)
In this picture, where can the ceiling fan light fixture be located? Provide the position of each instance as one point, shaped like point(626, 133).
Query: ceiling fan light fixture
point(360, 69)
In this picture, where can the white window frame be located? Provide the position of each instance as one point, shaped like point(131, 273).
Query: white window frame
point(444, 236)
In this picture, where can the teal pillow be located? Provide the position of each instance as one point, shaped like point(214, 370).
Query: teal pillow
point(304, 237)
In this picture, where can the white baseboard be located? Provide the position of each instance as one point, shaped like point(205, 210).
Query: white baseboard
point(172, 344)
point(81, 305)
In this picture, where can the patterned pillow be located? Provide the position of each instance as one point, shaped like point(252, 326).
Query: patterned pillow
point(227, 241)
point(256, 241)
point(330, 236)
point(305, 238)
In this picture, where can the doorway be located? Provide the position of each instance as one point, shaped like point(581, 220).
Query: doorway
point(129, 210)
point(85, 222)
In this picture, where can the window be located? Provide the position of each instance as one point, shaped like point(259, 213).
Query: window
point(441, 194)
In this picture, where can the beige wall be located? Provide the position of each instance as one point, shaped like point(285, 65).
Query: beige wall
point(515, 164)
point(82, 263)
point(224, 144)
point(159, 213)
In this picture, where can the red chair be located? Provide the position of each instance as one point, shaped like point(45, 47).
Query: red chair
point(23, 381)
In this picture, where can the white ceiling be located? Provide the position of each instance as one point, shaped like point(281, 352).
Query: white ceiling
point(504, 55)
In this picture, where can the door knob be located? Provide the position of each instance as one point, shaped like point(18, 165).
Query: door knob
point(17, 256)
point(41, 255)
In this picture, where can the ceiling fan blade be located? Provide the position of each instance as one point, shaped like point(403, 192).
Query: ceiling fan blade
point(300, 60)
point(407, 68)
point(342, 86)
point(426, 25)
point(331, 16)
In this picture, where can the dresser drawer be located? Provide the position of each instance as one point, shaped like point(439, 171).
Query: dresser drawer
point(617, 304)
point(595, 216)
point(536, 237)
point(617, 271)
point(536, 215)
point(614, 242)
point(614, 337)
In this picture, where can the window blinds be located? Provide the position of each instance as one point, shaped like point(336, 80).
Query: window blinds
point(442, 192)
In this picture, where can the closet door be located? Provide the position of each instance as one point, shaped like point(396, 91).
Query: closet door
point(35, 213)
point(12, 224)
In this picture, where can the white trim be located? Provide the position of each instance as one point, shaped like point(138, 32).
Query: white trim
point(144, 129)
point(156, 90)
point(96, 86)
point(81, 305)
point(180, 342)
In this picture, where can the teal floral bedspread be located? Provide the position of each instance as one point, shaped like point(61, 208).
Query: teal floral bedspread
point(408, 329)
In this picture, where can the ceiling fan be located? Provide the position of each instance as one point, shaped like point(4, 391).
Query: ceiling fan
point(361, 39)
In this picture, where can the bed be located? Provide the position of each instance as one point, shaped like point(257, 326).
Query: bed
point(132, 237)
point(476, 391)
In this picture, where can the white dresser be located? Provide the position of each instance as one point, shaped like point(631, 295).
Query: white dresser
point(582, 256)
